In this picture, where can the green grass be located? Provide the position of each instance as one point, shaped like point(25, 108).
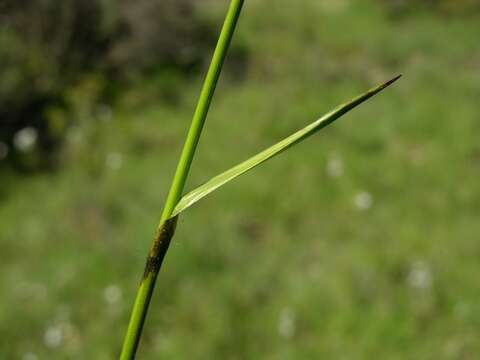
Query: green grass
point(252, 274)
point(168, 220)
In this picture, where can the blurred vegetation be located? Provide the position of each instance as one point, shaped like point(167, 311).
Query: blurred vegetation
point(446, 7)
point(360, 243)
point(49, 49)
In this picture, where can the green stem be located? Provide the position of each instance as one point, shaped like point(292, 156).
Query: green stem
point(166, 227)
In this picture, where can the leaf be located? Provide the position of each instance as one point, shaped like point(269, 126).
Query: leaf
point(220, 180)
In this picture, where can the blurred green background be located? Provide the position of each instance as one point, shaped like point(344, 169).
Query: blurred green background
point(362, 242)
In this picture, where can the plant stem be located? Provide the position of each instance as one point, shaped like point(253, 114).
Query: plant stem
point(166, 227)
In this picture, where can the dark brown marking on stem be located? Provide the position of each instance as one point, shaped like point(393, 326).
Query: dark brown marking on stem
point(163, 236)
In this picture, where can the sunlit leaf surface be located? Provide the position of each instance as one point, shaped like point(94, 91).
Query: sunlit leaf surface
point(220, 180)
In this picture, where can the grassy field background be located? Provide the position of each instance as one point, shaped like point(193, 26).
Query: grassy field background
point(362, 242)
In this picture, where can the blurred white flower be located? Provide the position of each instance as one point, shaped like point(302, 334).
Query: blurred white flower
point(335, 166)
point(287, 323)
point(420, 276)
point(363, 201)
point(112, 294)
point(24, 140)
point(114, 160)
point(29, 356)
point(3, 150)
point(53, 336)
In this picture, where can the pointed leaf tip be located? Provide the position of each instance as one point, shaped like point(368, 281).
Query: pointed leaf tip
point(390, 82)
point(225, 177)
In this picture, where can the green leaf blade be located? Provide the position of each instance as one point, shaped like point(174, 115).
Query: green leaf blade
point(225, 177)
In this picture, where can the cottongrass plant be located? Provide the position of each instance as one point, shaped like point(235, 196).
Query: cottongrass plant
point(176, 203)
